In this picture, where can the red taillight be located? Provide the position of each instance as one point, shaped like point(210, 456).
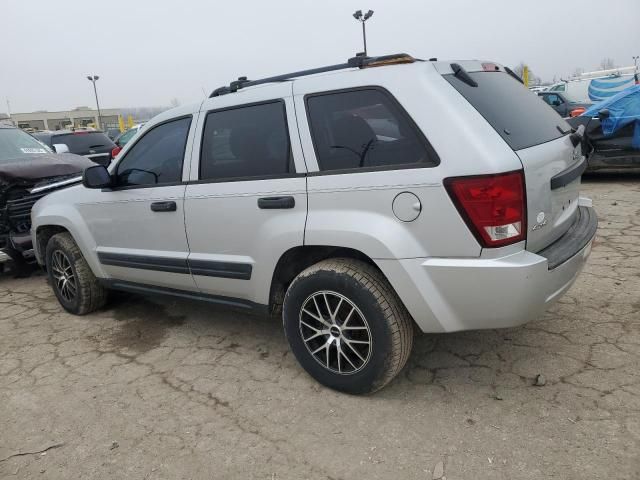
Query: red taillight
point(493, 206)
point(577, 112)
point(115, 152)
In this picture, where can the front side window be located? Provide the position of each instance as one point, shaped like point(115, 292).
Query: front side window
point(365, 129)
point(245, 142)
point(157, 157)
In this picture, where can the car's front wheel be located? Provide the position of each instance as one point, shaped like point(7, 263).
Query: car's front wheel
point(346, 325)
point(74, 284)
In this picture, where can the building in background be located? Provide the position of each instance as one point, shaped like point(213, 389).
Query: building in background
point(76, 118)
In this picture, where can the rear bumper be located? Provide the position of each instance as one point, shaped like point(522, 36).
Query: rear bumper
point(451, 294)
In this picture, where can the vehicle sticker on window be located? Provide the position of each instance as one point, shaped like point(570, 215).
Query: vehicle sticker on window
point(33, 150)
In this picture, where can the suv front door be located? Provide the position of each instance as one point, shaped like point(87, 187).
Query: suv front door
point(138, 225)
point(247, 202)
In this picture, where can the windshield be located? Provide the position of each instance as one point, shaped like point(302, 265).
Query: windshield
point(16, 144)
point(518, 115)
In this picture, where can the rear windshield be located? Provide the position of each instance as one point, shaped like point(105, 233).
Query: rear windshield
point(82, 142)
point(518, 115)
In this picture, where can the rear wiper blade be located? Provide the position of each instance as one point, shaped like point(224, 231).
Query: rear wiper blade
point(513, 74)
point(461, 74)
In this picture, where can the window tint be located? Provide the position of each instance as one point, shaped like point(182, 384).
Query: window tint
point(157, 157)
point(520, 118)
point(364, 129)
point(248, 141)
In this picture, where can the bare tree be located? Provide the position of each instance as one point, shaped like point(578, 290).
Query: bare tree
point(607, 63)
point(578, 71)
point(533, 79)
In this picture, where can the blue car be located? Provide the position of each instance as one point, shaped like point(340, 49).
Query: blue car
point(612, 131)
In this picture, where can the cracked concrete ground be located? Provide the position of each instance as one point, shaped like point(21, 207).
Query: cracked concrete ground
point(158, 388)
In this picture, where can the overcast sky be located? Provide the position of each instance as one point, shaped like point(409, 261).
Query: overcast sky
point(148, 52)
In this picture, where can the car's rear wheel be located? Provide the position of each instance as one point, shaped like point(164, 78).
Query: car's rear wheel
point(74, 284)
point(346, 325)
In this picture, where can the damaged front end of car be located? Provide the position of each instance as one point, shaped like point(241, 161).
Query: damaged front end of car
point(22, 184)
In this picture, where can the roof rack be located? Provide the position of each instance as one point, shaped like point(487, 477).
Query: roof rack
point(359, 61)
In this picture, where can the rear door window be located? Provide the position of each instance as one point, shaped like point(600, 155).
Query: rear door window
point(365, 128)
point(246, 142)
point(518, 115)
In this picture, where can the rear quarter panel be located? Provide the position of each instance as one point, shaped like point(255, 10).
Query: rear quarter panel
point(355, 209)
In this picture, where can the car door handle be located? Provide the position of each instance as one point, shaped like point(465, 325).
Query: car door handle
point(268, 203)
point(163, 206)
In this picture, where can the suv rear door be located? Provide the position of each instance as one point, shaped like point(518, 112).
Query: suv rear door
point(541, 140)
point(246, 203)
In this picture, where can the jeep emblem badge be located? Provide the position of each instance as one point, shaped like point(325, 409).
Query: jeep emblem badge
point(541, 221)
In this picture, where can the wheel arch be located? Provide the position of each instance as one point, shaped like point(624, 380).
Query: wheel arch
point(297, 259)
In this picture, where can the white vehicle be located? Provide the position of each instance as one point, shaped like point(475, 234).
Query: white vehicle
point(358, 200)
point(593, 87)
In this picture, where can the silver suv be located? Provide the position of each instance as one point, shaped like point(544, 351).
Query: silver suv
point(358, 200)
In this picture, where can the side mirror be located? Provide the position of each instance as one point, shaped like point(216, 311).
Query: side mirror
point(60, 148)
point(97, 177)
point(604, 113)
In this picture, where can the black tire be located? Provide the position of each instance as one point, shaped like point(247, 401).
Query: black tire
point(89, 295)
point(390, 326)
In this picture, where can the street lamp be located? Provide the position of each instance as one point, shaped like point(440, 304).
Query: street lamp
point(362, 19)
point(93, 79)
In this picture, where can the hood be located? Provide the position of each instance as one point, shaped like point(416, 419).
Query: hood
point(40, 166)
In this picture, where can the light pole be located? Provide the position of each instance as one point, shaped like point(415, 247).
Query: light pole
point(362, 19)
point(93, 79)
point(635, 61)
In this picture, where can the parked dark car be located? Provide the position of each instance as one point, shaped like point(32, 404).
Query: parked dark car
point(29, 170)
point(618, 144)
point(92, 144)
point(561, 104)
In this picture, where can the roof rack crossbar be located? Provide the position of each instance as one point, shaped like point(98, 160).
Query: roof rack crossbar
point(359, 61)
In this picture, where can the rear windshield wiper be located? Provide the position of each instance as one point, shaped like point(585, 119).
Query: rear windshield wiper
point(461, 74)
point(513, 74)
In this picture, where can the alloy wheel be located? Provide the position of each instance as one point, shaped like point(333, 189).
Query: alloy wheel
point(335, 332)
point(63, 275)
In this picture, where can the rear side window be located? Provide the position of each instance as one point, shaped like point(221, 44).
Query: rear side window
point(519, 116)
point(157, 157)
point(365, 128)
point(245, 142)
point(82, 142)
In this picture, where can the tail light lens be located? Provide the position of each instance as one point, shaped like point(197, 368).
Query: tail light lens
point(577, 111)
point(493, 206)
point(115, 152)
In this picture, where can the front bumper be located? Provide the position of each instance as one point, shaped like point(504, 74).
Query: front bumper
point(451, 294)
